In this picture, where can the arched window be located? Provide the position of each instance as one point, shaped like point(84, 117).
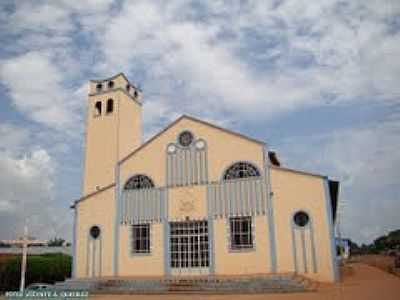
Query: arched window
point(128, 87)
point(139, 182)
point(241, 170)
point(110, 106)
point(111, 84)
point(97, 108)
point(99, 87)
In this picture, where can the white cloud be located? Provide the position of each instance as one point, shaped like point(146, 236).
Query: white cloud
point(366, 161)
point(13, 138)
point(210, 72)
point(27, 192)
point(36, 87)
point(223, 62)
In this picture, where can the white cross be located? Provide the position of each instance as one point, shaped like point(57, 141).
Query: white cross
point(25, 242)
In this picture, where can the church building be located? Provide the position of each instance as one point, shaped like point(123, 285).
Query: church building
point(193, 200)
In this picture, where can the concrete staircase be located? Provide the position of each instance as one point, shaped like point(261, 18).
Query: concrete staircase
point(182, 285)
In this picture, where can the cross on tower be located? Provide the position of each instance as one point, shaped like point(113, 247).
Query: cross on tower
point(25, 242)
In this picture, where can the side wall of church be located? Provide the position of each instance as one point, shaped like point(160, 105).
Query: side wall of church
point(307, 251)
point(98, 210)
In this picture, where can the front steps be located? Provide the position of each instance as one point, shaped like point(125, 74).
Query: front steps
point(190, 285)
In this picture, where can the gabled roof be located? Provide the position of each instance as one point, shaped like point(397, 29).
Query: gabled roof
point(194, 120)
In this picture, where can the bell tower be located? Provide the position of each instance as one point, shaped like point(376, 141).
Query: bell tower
point(113, 129)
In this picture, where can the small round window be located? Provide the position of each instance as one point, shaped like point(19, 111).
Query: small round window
point(301, 219)
point(95, 232)
point(185, 138)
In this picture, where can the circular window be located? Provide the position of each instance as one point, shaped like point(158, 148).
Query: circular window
point(301, 219)
point(111, 84)
point(185, 138)
point(171, 149)
point(200, 144)
point(95, 232)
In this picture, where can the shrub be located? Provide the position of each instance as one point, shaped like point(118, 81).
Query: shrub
point(47, 268)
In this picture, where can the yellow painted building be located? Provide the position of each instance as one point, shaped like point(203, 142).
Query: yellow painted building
point(195, 199)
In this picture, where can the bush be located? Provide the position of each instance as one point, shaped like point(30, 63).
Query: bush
point(47, 268)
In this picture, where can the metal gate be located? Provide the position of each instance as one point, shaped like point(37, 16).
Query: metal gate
point(189, 247)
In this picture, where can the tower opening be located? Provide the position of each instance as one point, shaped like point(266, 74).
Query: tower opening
point(97, 108)
point(110, 106)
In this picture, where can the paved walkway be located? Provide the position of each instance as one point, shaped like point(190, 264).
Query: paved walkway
point(360, 282)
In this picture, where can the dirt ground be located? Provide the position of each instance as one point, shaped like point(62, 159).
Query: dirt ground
point(383, 262)
point(359, 282)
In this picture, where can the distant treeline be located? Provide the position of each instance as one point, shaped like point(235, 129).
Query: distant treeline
point(54, 242)
point(385, 243)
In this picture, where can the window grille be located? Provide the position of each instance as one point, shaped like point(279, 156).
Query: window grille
point(141, 238)
point(241, 233)
point(189, 245)
point(139, 182)
point(241, 170)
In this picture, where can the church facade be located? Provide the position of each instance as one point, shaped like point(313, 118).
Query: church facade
point(195, 199)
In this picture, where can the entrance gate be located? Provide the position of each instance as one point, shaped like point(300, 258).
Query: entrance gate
point(189, 248)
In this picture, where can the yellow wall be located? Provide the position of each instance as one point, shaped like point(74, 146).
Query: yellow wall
point(96, 210)
point(252, 261)
point(151, 264)
point(187, 202)
point(151, 159)
point(293, 192)
point(109, 137)
point(112, 137)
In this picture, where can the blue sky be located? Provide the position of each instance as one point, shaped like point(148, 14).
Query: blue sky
point(319, 82)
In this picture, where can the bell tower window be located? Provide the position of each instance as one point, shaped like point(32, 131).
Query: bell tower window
point(97, 108)
point(110, 106)
point(111, 84)
point(99, 87)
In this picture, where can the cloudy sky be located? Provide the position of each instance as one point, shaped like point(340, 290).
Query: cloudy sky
point(317, 80)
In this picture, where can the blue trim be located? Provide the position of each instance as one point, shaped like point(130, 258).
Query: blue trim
point(335, 267)
point(309, 226)
point(211, 245)
point(210, 226)
point(304, 250)
point(74, 241)
point(118, 218)
point(92, 241)
point(294, 249)
point(166, 228)
point(270, 214)
point(313, 252)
